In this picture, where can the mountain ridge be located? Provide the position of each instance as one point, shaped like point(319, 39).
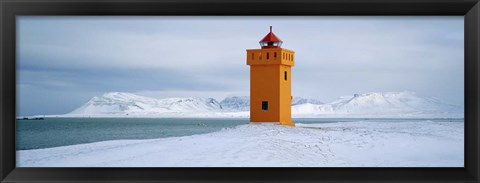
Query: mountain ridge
point(387, 104)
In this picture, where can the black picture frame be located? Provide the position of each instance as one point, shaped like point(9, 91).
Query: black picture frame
point(9, 9)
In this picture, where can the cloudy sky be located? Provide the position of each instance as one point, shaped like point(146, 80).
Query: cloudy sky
point(65, 61)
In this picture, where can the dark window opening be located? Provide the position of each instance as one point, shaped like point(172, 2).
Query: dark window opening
point(264, 105)
point(268, 56)
point(285, 75)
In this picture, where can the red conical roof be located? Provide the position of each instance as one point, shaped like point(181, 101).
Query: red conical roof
point(271, 37)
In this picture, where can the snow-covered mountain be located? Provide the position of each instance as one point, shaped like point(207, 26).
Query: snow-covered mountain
point(236, 103)
point(117, 103)
point(390, 104)
point(300, 100)
point(242, 103)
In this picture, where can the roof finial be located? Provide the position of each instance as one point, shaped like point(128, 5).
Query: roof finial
point(270, 28)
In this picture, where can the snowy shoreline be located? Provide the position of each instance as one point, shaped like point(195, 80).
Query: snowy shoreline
point(346, 144)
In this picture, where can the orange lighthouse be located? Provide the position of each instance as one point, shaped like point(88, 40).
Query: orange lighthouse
point(270, 81)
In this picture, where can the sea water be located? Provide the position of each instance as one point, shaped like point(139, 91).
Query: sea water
point(54, 132)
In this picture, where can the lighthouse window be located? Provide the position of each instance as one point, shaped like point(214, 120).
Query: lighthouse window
point(253, 56)
point(285, 75)
point(268, 55)
point(274, 55)
point(264, 105)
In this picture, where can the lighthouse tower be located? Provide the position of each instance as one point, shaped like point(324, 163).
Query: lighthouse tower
point(270, 81)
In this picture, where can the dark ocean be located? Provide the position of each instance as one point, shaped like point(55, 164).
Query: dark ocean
point(54, 132)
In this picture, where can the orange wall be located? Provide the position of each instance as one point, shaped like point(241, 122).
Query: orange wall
point(267, 83)
point(285, 95)
point(264, 86)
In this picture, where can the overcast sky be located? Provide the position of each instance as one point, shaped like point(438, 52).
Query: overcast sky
point(62, 62)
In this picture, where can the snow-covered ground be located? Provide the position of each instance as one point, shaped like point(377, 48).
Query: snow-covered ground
point(345, 144)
